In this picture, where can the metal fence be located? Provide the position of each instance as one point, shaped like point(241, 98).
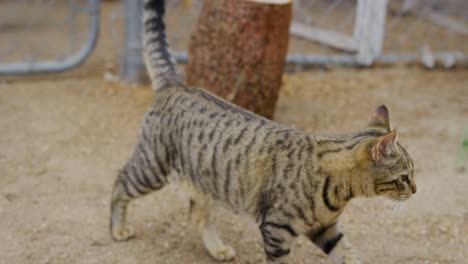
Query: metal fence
point(361, 32)
point(347, 32)
point(42, 36)
point(431, 32)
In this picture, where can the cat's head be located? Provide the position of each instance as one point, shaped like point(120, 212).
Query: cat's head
point(391, 168)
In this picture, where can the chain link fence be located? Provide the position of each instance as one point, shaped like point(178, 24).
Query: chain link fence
point(48, 36)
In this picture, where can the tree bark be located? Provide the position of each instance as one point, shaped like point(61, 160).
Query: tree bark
point(238, 51)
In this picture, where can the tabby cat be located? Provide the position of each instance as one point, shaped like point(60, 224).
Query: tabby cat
point(293, 183)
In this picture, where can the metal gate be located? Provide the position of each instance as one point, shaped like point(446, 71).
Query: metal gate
point(33, 42)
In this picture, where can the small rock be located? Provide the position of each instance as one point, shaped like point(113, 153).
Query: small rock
point(96, 244)
point(41, 171)
point(110, 92)
point(443, 229)
point(110, 77)
point(10, 197)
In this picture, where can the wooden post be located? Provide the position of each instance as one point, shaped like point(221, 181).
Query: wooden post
point(369, 29)
point(238, 51)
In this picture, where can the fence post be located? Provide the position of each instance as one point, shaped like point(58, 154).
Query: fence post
point(369, 29)
point(132, 68)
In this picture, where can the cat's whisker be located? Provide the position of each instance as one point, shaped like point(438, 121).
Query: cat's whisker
point(395, 216)
point(402, 207)
point(388, 207)
point(398, 209)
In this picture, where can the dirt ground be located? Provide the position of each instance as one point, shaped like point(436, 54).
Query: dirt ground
point(63, 137)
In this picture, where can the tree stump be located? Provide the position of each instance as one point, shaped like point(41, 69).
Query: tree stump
point(238, 51)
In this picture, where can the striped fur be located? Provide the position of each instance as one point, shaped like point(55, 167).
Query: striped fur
point(158, 58)
point(293, 183)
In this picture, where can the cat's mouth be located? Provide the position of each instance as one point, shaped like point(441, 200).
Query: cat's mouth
point(399, 198)
point(403, 197)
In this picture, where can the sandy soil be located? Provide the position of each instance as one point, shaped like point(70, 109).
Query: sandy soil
point(63, 137)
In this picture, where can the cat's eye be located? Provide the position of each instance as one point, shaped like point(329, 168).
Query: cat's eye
point(404, 178)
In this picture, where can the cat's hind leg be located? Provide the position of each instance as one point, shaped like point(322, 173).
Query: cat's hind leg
point(140, 176)
point(119, 228)
point(200, 210)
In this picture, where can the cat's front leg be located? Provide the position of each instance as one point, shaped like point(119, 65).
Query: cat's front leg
point(200, 214)
point(277, 238)
point(334, 243)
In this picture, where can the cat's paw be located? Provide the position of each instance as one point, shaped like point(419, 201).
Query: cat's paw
point(123, 233)
point(224, 253)
point(352, 259)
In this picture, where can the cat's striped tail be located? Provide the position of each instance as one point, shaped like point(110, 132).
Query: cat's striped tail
point(160, 64)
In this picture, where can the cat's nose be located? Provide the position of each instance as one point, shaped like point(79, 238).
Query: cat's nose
point(413, 187)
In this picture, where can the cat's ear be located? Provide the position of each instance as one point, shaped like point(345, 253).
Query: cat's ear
point(380, 118)
point(384, 145)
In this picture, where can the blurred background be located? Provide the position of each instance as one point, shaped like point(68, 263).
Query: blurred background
point(73, 93)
